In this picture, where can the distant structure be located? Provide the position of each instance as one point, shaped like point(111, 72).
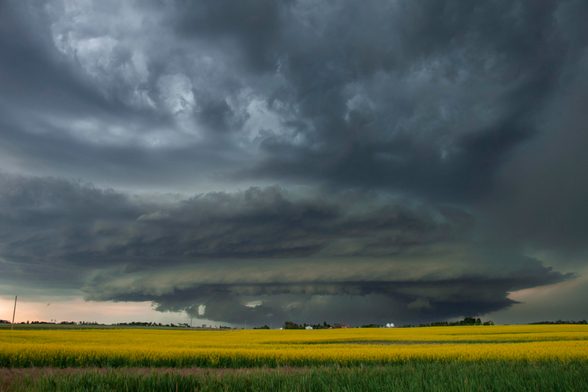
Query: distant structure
point(308, 328)
point(337, 326)
point(390, 325)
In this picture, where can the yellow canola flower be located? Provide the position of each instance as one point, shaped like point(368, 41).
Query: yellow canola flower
point(243, 348)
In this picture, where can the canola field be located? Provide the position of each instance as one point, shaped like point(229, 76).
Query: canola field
point(297, 348)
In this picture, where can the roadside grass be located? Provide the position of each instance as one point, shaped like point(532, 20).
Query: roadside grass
point(448, 376)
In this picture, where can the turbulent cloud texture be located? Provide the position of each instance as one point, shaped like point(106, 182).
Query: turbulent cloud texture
point(302, 253)
point(425, 154)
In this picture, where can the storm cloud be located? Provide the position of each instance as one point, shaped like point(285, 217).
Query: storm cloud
point(270, 160)
point(285, 249)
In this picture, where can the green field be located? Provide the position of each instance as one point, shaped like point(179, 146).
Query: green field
point(454, 376)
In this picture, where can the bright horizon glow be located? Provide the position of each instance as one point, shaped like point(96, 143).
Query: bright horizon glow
point(79, 310)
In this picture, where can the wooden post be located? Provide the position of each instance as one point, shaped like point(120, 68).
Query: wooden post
point(13, 313)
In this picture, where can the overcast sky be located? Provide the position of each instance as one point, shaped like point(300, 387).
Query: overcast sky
point(296, 160)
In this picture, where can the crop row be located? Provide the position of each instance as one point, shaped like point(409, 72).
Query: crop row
point(27, 355)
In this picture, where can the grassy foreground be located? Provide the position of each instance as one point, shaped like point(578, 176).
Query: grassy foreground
point(452, 376)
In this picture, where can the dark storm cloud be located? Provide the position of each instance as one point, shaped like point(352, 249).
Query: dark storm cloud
point(254, 24)
point(425, 298)
point(443, 140)
point(125, 118)
point(545, 187)
point(427, 99)
point(224, 250)
point(46, 217)
point(466, 175)
point(440, 141)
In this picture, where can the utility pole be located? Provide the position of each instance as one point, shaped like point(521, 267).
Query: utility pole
point(14, 312)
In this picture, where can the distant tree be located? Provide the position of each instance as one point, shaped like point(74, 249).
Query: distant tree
point(291, 325)
point(469, 321)
point(561, 322)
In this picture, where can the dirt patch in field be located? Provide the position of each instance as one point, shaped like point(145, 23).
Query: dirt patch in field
point(9, 375)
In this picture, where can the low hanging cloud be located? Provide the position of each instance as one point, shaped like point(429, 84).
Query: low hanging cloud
point(409, 289)
point(293, 254)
